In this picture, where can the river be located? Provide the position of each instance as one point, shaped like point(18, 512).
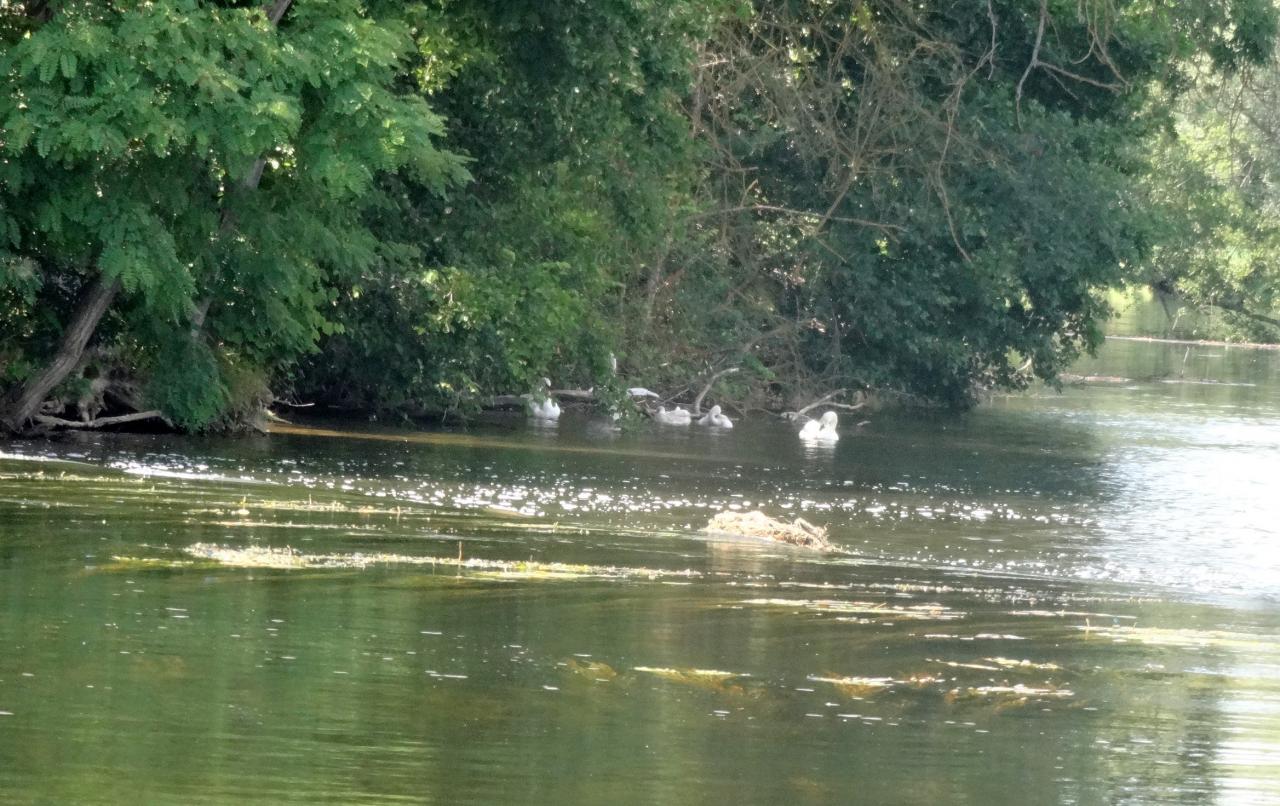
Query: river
point(1057, 598)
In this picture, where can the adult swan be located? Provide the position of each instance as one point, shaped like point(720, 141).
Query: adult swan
point(545, 407)
point(821, 430)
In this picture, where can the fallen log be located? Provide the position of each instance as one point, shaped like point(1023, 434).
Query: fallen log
point(101, 422)
point(521, 401)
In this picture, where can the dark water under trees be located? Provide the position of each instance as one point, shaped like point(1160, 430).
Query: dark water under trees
point(1057, 598)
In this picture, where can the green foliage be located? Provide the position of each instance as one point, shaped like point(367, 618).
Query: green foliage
point(571, 116)
point(131, 132)
point(1218, 187)
point(928, 198)
point(185, 383)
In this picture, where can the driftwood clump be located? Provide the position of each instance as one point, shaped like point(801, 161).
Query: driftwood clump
point(757, 524)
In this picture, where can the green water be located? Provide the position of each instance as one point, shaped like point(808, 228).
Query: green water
point(1122, 539)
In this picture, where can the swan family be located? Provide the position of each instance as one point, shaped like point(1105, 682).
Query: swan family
point(676, 416)
point(824, 430)
point(544, 407)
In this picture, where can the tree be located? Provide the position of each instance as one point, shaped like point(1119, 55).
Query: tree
point(212, 171)
point(929, 197)
point(1217, 181)
point(571, 115)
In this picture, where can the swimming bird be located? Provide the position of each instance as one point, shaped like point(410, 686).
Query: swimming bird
point(676, 416)
point(546, 407)
point(716, 419)
point(822, 429)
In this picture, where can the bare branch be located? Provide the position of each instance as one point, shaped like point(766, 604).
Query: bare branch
point(1035, 58)
point(697, 401)
point(101, 422)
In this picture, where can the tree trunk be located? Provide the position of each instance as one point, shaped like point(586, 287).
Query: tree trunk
point(93, 305)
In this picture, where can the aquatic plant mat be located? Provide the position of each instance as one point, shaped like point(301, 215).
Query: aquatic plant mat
point(866, 612)
point(289, 558)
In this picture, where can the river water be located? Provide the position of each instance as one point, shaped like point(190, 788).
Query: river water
point(1056, 598)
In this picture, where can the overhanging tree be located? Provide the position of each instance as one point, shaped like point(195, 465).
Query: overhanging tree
point(211, 170)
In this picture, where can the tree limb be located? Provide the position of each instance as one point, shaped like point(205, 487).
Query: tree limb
point(1238, 307)
point(697, 401)
point(101, 422)
point(1035, 58)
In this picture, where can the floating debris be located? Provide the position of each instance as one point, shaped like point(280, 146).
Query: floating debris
point(287, 558)
point(757, 524)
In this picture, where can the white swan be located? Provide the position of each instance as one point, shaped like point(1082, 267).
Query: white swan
point(545, 408)
point(716, 419)
point(822, 429)
point(676, 416)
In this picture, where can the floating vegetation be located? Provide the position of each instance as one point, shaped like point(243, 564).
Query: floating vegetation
point(597, 671)
point(860, 688)
point(245, 507)
point(288, 558)
point(1190, 639)
point(707, 679)
point(921, 680)
point(954, 664)
point(1024, 665)
point(982, 636)
point(757, 524)
point(685, 675)
point(1067, 613)
point(1017, 694)
point(258, 557)
point(856, 687)
point(878, 611)
point(998, 664)
point(143, 564)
